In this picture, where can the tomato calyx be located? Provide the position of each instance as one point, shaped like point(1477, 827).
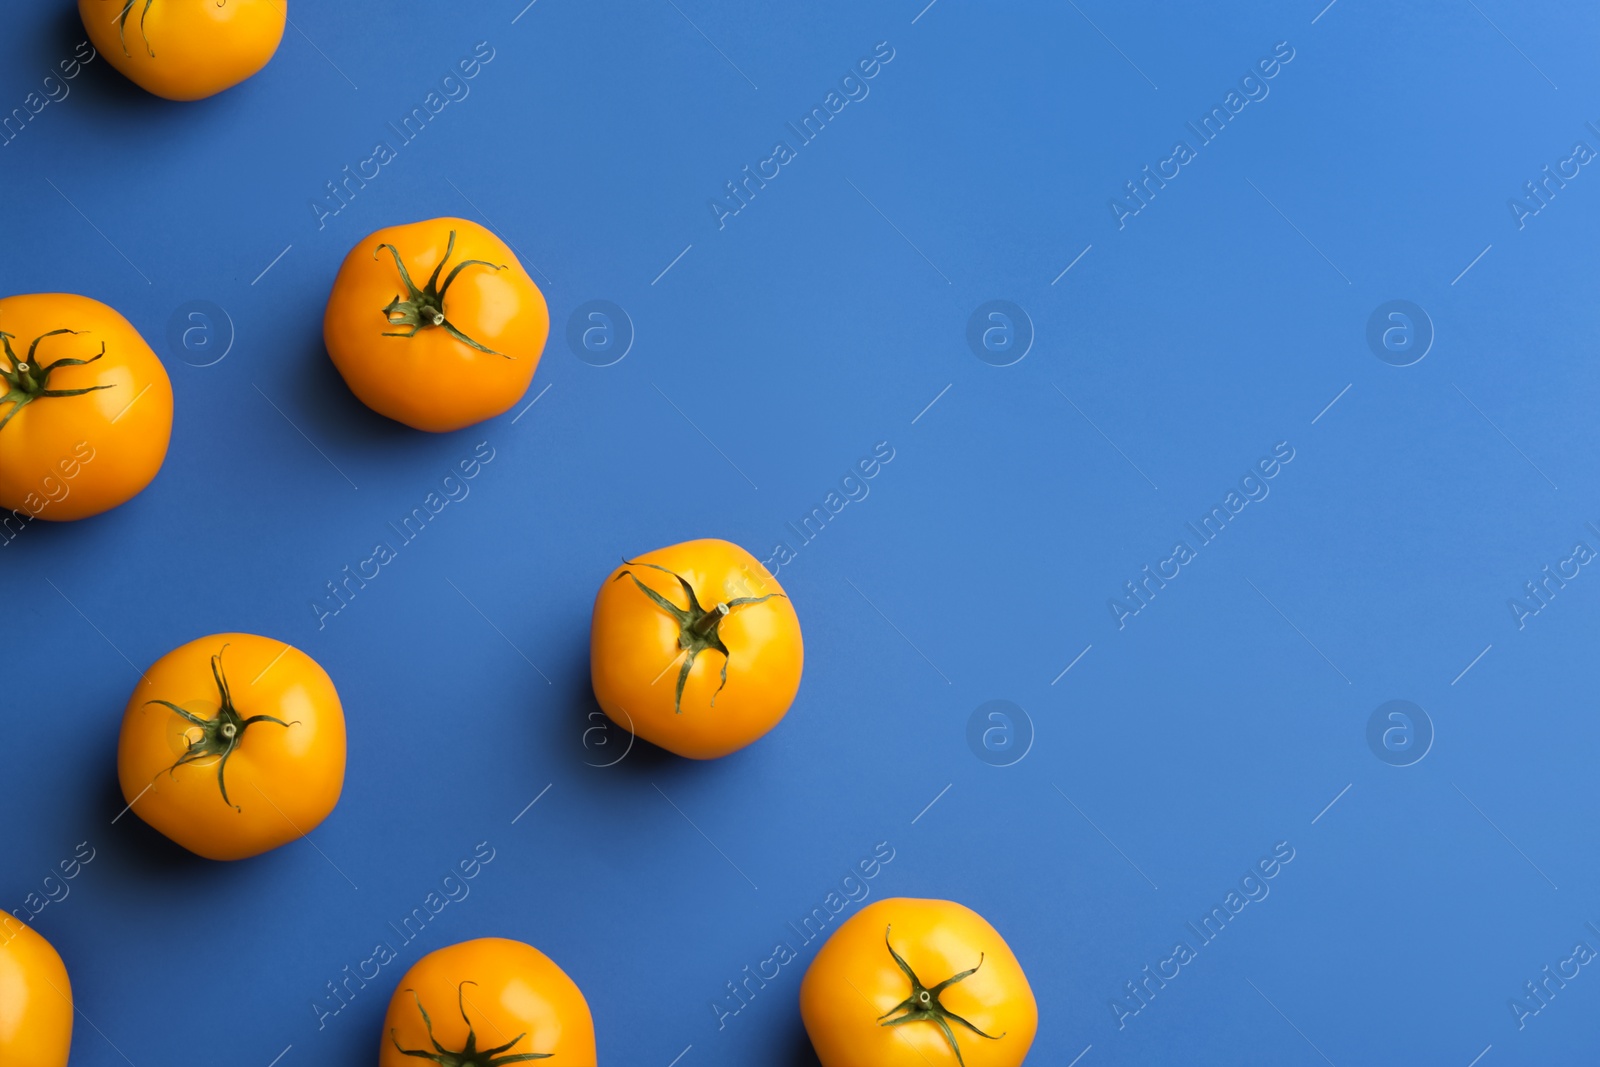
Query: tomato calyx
point(220, 735)
point(29, 380)
point(923, 1003)
point(471, 1056)
point(424, 308)
point(698, 629)
point(122, 25)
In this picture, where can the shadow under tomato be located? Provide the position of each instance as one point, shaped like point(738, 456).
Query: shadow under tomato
point(97, 83)
point(142, 854)
point(136, 844)
point(796, 1047)
point(316, 397)
point(44, 539)
point(317, 392)
point(601, 743)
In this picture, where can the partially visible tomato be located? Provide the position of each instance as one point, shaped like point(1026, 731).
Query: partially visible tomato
point(918, 983)
point(695, 648)
point(233, 745)
point(85, 407)
point(185, 49)
point(35, 999)
point(486, 1003)
point(460, 348)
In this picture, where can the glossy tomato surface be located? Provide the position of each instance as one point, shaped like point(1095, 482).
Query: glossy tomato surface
point(488, 1002)
point(35, 999)
point(913, 983)
point(695, 648)
point(436, 324)
point(87, 413)
point(233, 745)
point(185, 49)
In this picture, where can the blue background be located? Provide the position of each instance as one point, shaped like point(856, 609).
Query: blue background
point(1221, 319)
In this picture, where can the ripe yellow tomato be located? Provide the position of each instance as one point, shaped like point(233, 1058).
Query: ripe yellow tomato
point(695, 648)
point(486, 1003)
point(85, 407)
point(185, 49)
point(918, 983)
point(35, 999)
point(233, 745)
point(460, 348)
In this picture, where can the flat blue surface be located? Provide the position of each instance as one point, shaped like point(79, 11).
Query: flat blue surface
point(1225, 318)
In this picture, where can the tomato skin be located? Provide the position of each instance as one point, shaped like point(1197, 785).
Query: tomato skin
point(201, 47)
point(854, 980)
point(507, 989)
point(431, 380)
point(635, 657)
point(35, 999)
point(285, 780)
point(70, 457)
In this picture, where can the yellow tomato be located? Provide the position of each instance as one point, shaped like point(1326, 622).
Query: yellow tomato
point(460, 349)
point(695, 648)
point(185, 49)
point(233, 745)
point(486, 1003)
point(918, 983)
point(85, 407)
point(35, 999)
